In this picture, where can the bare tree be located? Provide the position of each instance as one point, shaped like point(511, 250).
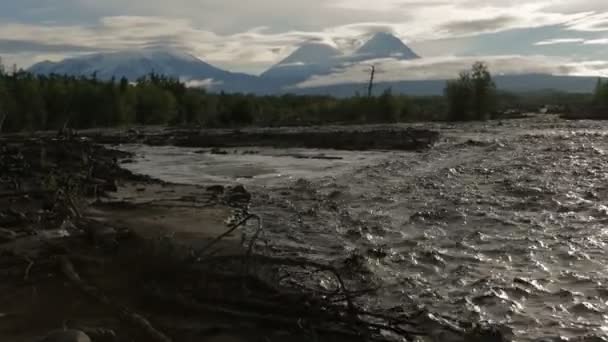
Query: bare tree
point(3, 116)
point(370, 87)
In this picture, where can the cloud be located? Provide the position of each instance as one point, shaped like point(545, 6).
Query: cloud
point(560, 41)
point(441, 68)
point(595, 22)
point(251, 37)
point(603, 41)
point(479, 25)
point(578, 41)
point(21, 46)
point(206, 83)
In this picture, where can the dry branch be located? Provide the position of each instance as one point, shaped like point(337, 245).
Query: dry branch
point(135, 319)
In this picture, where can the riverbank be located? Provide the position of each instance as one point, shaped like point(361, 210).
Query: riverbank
point(356, 137)
point(88, 246)
point(501, 221)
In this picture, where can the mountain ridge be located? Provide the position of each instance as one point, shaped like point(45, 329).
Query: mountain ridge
point(384, 45)
point(306, 61)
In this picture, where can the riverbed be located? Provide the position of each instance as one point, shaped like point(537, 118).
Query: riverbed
point(501, 222)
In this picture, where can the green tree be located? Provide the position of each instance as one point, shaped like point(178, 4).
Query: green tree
point(472, 96)
point(155, 105)
point(484, 91)
point(600, 95)
point(459, 97)
point(388, 107)
point(242, 112)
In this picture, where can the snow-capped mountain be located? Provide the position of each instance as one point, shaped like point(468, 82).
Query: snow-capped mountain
point(383, 45)
point(138, 63)
point(319, 59)
point(309, 59)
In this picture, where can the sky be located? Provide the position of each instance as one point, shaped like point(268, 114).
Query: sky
point(560, 36)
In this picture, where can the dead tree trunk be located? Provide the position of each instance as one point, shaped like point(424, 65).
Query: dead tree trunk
point(2, 119)
point(370, 87)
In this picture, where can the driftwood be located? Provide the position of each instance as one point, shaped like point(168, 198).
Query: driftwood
point(298, 309)
point(224, 287)
point(135, 319)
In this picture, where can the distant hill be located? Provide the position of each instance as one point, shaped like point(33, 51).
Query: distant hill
point(511, 83)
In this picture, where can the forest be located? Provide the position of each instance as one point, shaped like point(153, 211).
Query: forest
point(31, 102)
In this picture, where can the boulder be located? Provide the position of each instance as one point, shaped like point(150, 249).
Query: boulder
point(238, 194)
point(66, 336)
point(7, 235)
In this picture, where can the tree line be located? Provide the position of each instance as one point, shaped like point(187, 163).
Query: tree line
point(48, 102)
point(600, 96)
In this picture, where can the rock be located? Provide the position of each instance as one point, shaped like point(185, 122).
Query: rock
point(378, 253)
point(7, 235)
point(100, 334)
point(225, 338)
point(238, 189)
point(216, 189)
point(490, 333)
point(110, 186)
point(67, 336)
point(216, 150)
point(133, 131)
point(238, 194)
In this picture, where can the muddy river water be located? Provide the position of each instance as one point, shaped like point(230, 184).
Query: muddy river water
point(503, 222)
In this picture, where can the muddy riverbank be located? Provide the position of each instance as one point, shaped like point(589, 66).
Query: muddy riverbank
point(380, 137)
point(88, 248)
point(501, 221)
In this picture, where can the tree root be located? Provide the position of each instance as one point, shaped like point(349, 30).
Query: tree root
point(135, 319)
point(320, 309)
point(213, 242)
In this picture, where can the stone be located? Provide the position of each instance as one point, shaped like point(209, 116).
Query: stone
point(100, 334)
point(216, 150)
point(7, 235)
point(67, 336)
point(238, 194)
point(216, 189)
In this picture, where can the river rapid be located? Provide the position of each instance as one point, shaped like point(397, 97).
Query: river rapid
point(502, 222)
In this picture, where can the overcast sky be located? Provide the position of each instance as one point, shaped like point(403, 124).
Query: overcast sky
point(251, 35)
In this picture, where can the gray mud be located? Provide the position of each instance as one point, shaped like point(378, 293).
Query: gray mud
point(503, 222)
point(370, 137)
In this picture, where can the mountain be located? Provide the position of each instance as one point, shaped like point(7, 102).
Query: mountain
point(319, 59)
point(138, 63)
point(383, 45)
point(309, 59)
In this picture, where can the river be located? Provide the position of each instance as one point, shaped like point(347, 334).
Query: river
point(502, 222)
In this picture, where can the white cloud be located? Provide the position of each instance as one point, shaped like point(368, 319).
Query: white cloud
point(560, 41)
point(206, 83)
point(594, 22)
point(252, 36)
point(441, 68)
point(603, 41)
